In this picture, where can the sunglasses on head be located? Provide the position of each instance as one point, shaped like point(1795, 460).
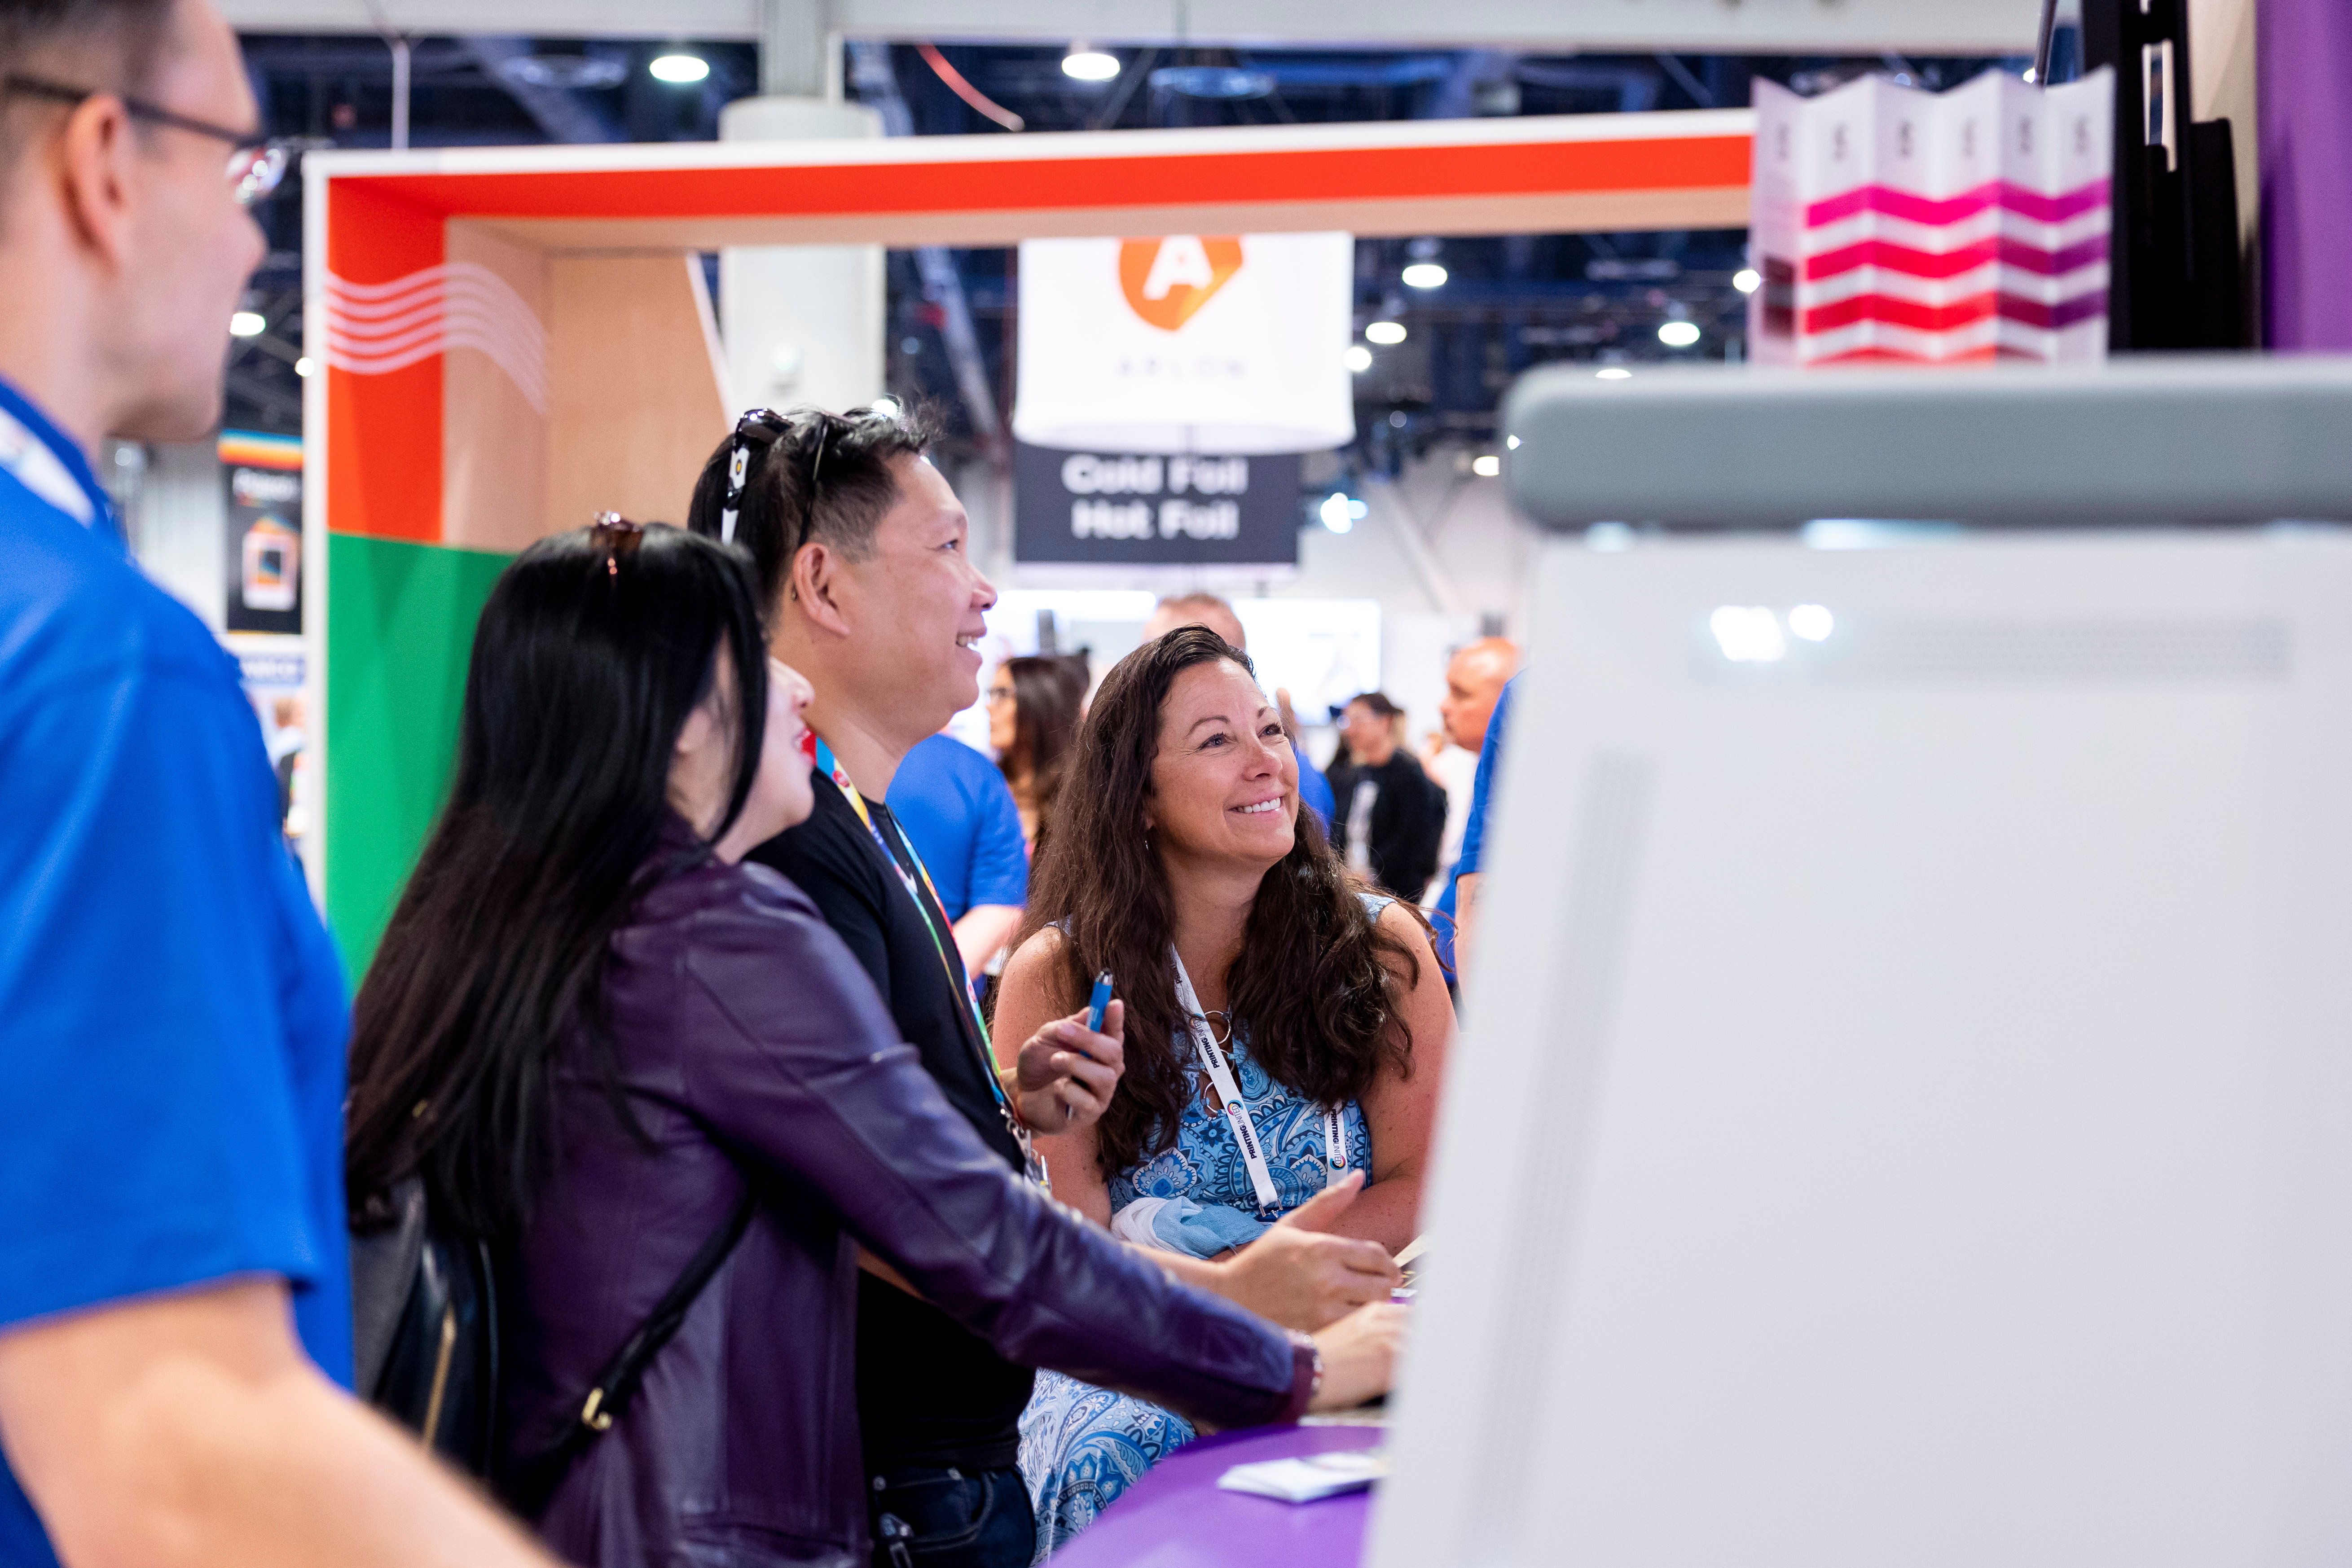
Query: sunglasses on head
point(758, 422)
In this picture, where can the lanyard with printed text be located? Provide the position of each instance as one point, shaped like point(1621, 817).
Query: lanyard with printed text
point(1238, 1116)
point(1032, 1161)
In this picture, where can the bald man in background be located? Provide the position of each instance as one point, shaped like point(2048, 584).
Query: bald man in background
point(1475, 678)
point(1209, 611)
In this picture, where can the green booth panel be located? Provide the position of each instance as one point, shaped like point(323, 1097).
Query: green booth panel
point(400, 630)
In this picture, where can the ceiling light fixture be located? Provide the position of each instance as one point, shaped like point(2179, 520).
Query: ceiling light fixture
point(247, 325)
point(1486, 465)
point(1424, 275)
point(1226, 82)
point(1748, 280)
point(1087, 63)
point(1612, 372)
point(1387, 334)
point(680, 71)
point(1358, 358)
point(1678, 334)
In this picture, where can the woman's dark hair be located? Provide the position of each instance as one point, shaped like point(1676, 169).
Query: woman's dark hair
point(593, 650)
point(1378, 701)
point(808, 476)
point(1318, 982)
point(1049, 695)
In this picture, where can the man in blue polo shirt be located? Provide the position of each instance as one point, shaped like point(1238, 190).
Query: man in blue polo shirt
point(956, 807)
point(175, 1295)
point(1463, 889)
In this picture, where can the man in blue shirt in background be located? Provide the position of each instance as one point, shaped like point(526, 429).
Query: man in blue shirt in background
point(175, 1293)
point(1476, 679)
point(955, 804)
point(1464, 892)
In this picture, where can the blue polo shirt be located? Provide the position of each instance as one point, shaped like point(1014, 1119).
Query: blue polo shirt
point(1315, 790)
point(171, 1013)
point(956, 807)
point(1474, 831)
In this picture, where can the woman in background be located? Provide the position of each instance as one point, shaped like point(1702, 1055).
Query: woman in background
point(1253, 969)
point(1034, 706)
point(599, 1038)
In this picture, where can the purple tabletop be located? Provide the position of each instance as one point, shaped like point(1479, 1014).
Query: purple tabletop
point(1176, 1518)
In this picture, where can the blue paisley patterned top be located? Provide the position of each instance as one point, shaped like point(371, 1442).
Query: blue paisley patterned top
point(1082, 1447)
point(1205, 1164)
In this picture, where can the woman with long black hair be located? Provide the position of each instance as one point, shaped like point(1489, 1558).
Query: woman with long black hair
point(591, 1029)
point(1287, 1030)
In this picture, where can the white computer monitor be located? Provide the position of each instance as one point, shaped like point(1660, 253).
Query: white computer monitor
point(1905, 1115)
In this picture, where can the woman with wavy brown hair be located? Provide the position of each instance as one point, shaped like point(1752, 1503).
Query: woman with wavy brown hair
point(1286, 1032)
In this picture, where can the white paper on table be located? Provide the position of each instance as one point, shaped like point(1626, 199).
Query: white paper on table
point(1306, 1480)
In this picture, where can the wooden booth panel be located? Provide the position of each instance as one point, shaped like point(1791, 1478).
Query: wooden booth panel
point(494, 440)
point(637, 388)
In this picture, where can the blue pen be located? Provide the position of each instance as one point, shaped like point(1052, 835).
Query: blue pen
point(1099, 1002)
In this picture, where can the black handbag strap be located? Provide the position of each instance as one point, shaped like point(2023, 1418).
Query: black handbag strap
point(532, 1480)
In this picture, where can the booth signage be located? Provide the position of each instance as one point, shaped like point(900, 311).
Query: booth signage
point(262, 475)
point(1153, 509)
point(1187, 342)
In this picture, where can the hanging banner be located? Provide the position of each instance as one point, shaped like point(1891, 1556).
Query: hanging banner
point(1150, 509)
point(1229, 344)
point(264, 478)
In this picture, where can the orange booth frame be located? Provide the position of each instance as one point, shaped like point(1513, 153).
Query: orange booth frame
point(514, 338)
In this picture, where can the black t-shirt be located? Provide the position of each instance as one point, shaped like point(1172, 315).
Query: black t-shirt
point(929, 1390)
point(1408, 820)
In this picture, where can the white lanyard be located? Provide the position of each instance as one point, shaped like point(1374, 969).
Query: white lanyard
point(1237, 1117)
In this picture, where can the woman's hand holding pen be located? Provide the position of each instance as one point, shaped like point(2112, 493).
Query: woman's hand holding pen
point(1066, 1071)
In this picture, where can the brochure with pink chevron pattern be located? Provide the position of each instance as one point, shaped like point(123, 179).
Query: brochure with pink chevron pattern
point(1959, 227)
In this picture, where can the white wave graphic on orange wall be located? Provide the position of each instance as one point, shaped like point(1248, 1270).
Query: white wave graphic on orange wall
point(374, 329)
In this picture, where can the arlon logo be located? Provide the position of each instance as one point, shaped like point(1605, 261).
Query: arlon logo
point(1166, 280)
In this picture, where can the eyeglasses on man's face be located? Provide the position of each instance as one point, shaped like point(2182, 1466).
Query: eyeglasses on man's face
point(255, 165)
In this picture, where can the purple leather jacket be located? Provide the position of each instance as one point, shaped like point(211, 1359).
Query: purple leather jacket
point(748, 1040)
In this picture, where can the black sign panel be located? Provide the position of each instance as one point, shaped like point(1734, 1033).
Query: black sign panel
point(264, 550)
point(1126, 508)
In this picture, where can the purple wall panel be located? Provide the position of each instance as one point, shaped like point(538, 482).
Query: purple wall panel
point(2304, 63)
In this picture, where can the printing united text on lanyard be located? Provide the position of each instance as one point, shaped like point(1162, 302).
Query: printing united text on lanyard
point(1032, 1161)
point(1238, 1116)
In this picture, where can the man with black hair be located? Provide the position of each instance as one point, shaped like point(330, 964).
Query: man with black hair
point(175, 1293)
point(1391, 815)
